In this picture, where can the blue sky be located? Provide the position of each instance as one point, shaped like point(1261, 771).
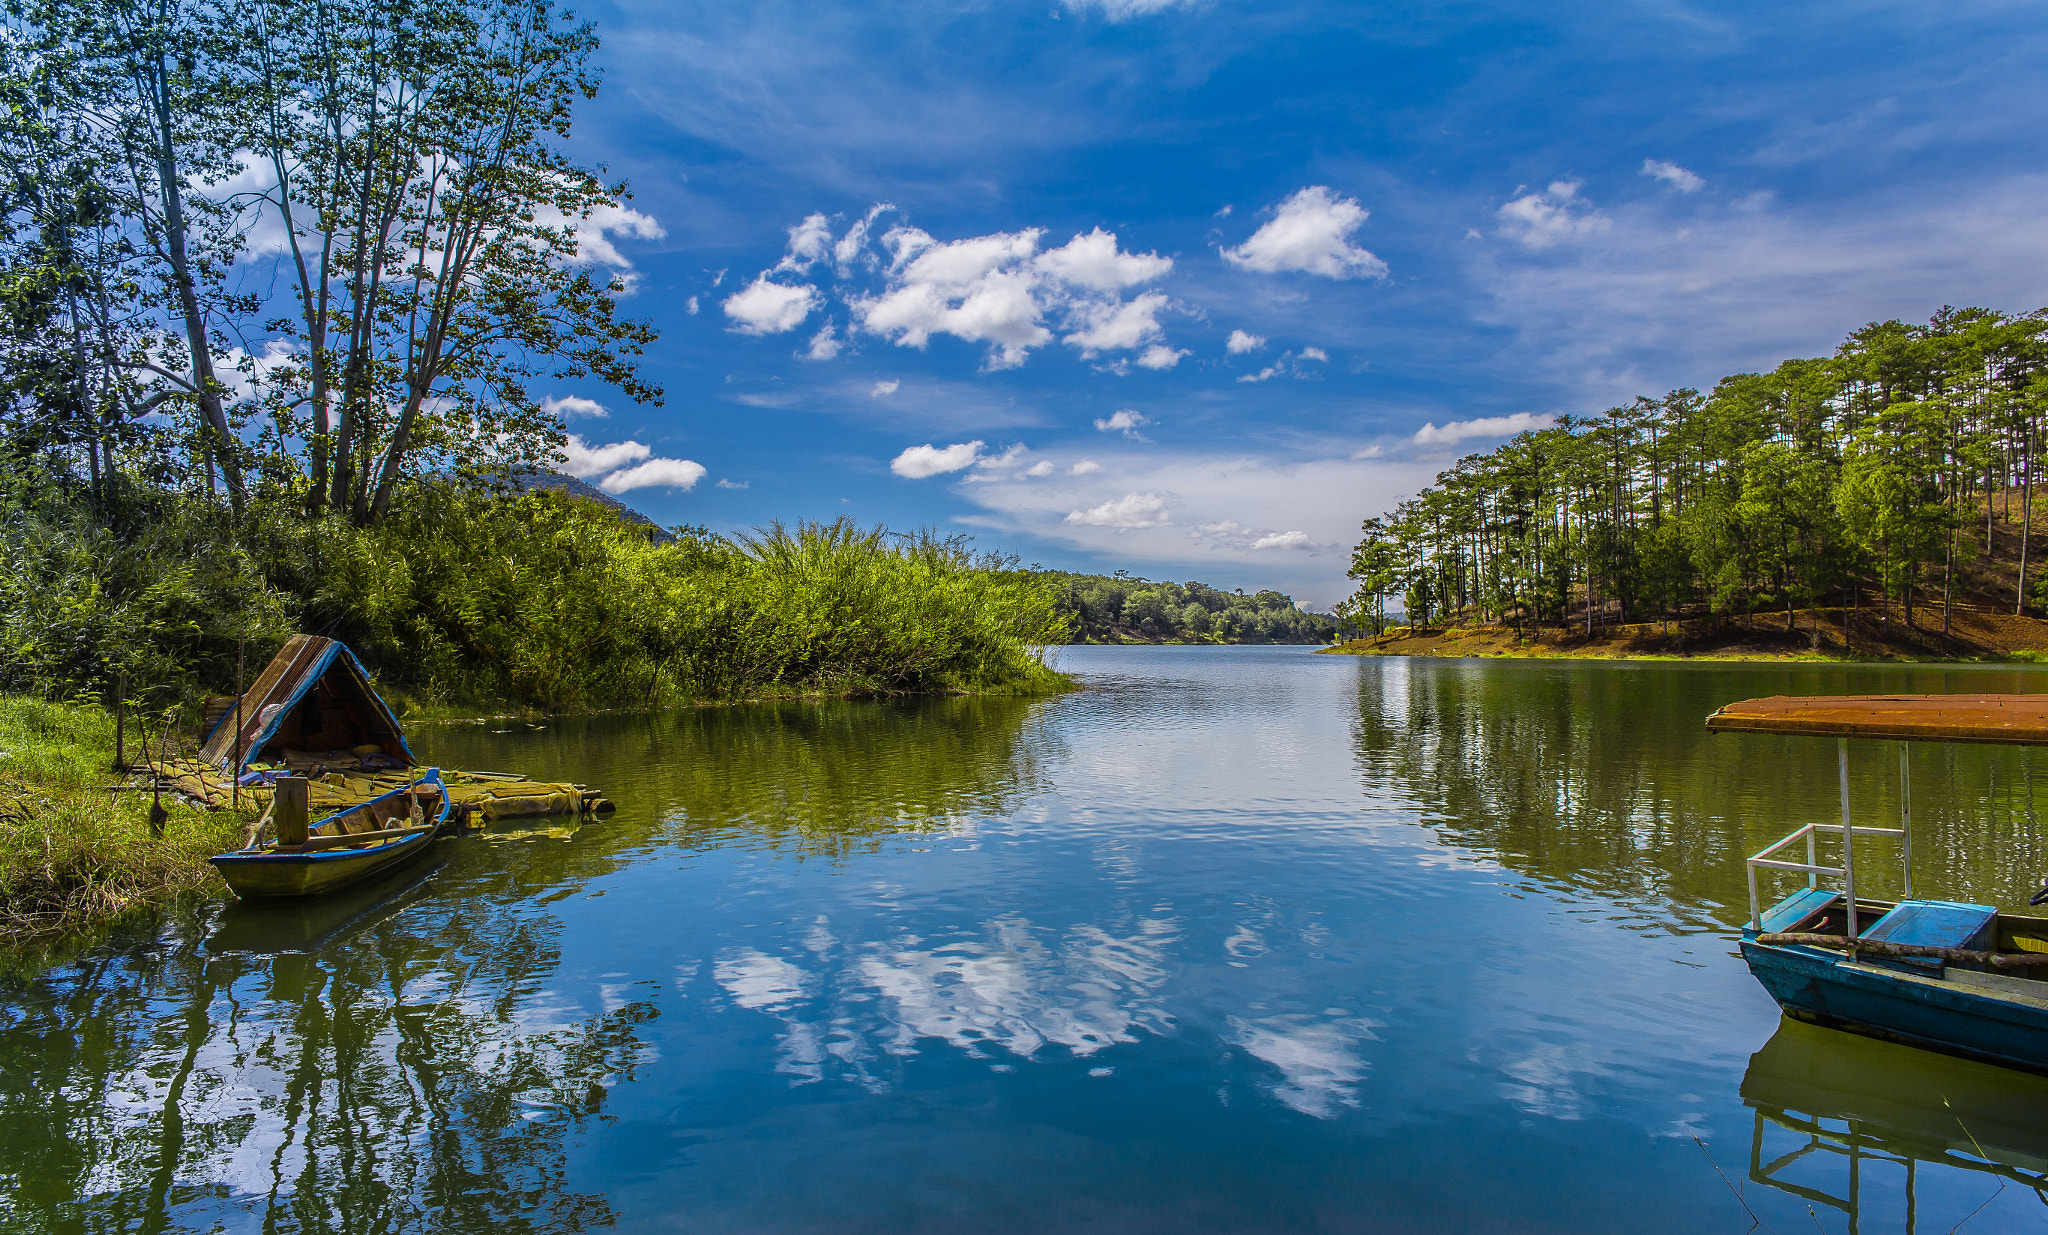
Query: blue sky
point(980, 266)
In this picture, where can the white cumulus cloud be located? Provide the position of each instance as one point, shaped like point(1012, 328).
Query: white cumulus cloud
point(884, 388)
point(583, 460)
point(654, 474)
point(1129, 511)
point(1485, 426)
point(1315, 353)
point(1094, 261)
point(1160, 356)
point(920, 462)
point(1672, 174)
point(595, 232)
point(1540, 220)
point(1126, 422)
point(999, 289)
point(1284, 540)
point(1084, 467)
point(1109, 325)
point(1241, 342)
point(809, 242)
point(1310, 233)
point(763, 307)
point(567, 406)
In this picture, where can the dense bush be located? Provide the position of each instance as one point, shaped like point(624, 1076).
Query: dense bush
point(541, 599)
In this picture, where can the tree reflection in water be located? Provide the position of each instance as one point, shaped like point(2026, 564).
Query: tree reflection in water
point(396, 1081)
point(395, 1058)
point(1600, 778)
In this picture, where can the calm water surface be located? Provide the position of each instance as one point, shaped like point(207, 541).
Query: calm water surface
point(1236, 939)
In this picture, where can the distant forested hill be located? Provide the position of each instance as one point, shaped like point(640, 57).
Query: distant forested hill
point(1122, 609)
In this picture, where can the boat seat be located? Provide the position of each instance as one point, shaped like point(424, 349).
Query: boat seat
point(1934, 924)
point(1787, 914)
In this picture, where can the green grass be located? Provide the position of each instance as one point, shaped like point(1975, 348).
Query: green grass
point(76, 857)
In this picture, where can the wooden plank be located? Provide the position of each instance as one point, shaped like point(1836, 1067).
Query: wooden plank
point(358, 838)
point(2014, 720)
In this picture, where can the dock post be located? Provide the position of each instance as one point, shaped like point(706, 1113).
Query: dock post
point(1848, 843)
point(289, 809)
point(1906, 817)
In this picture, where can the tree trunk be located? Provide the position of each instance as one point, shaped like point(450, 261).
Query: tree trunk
point(170, 186)
point(2019, 604)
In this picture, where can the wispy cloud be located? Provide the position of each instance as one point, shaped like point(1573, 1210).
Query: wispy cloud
point(1485, 426)
point(1674, 175)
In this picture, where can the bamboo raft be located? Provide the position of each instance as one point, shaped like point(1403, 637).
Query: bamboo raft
point(475, 796)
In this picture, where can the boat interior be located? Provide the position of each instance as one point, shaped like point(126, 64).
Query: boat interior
point(1981, 929)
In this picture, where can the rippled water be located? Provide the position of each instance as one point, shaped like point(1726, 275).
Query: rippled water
point(1236, 939)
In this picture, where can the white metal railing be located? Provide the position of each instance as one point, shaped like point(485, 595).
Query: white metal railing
point(1848, 832)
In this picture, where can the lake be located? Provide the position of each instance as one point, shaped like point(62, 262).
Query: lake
point(1236, 939)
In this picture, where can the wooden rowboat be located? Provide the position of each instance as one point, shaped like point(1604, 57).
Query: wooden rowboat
point(344, 848)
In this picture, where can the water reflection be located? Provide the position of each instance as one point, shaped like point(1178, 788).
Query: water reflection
point(1171, 953)
point(823, 778)
point(1600, 778)
point(1831, 1108)
point(397, 1084)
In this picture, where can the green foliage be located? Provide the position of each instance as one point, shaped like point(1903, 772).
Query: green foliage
point(153, 586)
point(541, 600)
point(1115, 608)
point(1860, 474)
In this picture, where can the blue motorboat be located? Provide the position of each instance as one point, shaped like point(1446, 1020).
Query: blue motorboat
point(1950, 976)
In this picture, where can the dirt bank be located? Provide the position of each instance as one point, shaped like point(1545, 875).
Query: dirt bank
point(1975, 634)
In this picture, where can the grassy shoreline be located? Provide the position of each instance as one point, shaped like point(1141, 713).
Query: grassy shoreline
point(1975, 636)
point(77, 856)
point(76, 851)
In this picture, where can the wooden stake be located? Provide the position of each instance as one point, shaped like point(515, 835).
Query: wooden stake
point(120, 719)
point(236, 776)
point(289, 810)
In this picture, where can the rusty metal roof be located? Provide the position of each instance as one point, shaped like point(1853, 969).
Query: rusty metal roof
point(2012, 720)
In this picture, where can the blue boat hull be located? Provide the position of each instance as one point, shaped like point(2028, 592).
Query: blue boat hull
point(1822, 987)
